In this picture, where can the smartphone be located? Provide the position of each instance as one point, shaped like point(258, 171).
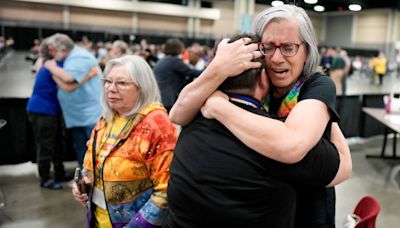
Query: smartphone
point(78, 178)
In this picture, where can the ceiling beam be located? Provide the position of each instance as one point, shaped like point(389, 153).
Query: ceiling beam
point(138, 7)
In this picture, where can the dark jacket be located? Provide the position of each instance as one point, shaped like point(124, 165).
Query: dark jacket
point(172, 74)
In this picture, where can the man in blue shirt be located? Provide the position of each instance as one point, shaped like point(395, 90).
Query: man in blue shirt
point(81, 107)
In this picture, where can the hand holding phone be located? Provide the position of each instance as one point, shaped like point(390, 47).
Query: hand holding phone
point(80, 183)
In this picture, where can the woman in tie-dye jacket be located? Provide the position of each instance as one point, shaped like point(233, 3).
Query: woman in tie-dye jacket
point(130, 150)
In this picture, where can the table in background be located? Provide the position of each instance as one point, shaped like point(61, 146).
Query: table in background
point(380, 115)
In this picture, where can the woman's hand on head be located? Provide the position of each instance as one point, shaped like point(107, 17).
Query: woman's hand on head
point(233, 58)
point(212, 103)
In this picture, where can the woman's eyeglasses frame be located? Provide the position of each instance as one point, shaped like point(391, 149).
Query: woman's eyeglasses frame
point(287, 49)
point(119, 85)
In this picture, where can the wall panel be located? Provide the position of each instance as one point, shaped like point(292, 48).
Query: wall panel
point(30, 12)
point(339, 30)
point(371, 27)
point(163, 23)
point(207, 27)
point(104, 18)
point(318, 21)
point(224, 26)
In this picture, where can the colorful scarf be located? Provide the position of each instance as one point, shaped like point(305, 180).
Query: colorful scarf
point(288, 103)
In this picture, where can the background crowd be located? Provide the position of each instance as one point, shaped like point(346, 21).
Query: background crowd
point(342, 63)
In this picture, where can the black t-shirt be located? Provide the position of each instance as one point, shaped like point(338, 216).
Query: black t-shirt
point(217, 181)
point(319, 87)
point(316, 206)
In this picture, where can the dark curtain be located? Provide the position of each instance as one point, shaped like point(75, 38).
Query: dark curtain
point(370, 126)
point(349, 109)
point(16, 137)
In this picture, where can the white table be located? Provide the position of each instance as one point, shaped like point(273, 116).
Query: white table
point(391, 123)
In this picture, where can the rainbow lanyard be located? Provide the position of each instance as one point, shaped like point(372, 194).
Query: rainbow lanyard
point(245, 100)
point(288, 103)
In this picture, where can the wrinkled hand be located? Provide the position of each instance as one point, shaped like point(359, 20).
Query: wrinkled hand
point(233, 58)
point(81, 198)
point(50, 64)
point(212, 102)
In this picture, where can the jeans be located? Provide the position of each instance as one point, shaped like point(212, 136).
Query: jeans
point(80, 135)
point(49, 142)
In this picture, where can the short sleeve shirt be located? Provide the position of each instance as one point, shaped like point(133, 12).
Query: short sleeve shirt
point(81, 107)
point(319, 87)
point(322, 88)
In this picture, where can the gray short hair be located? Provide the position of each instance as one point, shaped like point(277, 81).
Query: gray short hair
point(61, 41)
point(142, 75)
point(307, 33)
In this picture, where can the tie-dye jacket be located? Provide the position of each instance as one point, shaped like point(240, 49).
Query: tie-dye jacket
point(136, 172)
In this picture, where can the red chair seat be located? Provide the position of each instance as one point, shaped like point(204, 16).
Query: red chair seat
point(368, 209)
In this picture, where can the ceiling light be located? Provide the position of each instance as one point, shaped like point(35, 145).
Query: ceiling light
point(354, 7)
point(319, 8)
point(277, 3)
point(310, 1)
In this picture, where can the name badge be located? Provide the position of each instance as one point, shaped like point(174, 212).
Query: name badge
point(98, 198)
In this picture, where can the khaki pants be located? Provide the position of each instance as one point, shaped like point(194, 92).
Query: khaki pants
point(337, 76)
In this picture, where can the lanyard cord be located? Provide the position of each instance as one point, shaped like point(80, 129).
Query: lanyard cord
point(107, 135)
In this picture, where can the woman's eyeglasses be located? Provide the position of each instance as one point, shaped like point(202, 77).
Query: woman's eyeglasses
point(120, 85)
point(286, 49)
